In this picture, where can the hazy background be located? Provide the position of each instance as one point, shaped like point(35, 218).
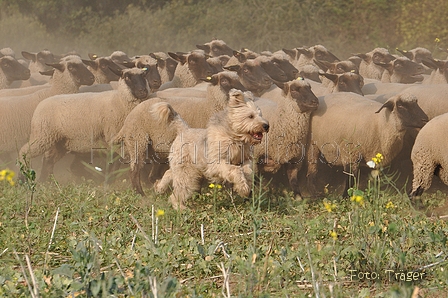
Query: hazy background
point(144, 26)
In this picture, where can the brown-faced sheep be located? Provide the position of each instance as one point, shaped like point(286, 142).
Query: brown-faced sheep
point(369, 67)
point(401, 70)
point(191, 69)
point(11, 70)
point(289, 118)
point(439, 74)
point(80, 122)
point(347, 129)
point(216, 48)
point(16, 111)
point(166, 65)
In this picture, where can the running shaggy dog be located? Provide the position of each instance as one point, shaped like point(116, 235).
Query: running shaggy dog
point(219, 153)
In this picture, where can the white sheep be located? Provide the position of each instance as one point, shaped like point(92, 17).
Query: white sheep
point(418, 55)
point(337, 67)
point(7, 52)
point(16, 111)
point(216, 48)
point(11, 70)
point(289, 119)
point(344, 82)
point(191, 68)
point(369, 67)
point(150, 63)
point(347, 129)
point(429, 155)
point(141, 129)
point(401, 70)
point(81, 122)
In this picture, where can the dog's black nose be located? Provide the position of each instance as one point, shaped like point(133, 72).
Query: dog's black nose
point(266, 127)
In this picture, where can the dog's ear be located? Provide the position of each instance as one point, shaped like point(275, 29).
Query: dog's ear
point(236, 98)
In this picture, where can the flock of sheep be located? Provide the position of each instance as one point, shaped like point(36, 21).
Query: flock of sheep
point(321, 110)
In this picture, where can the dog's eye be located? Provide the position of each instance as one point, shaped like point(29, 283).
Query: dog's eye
point(251, 116)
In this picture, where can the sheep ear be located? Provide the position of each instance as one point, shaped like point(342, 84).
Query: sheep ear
point(305, 52)
point(236, 98)
point(92, 56)
point(213, 79)
point(362, 56)
point(333, 77)
point(47, 73)
point(29, 56)
point(290, 53)
point(90, 63)
point(431, 63)
point(58, 66)
point(116, 71)
point(240, 56)
point(324, 65)
point(232, 67)
point(388, 66)
point(180, 57)
point(389, 104)
point(405, 53)
point(203, 47)
point(333, 57)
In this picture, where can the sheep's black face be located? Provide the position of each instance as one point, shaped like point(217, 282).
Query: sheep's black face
point(228, 82)
point(43, 58)
point(379, 58)
point(291, 72)
point(171, 65)
point(137, 84)
point(409, 71)
point(153, 77)
point(105, 64)
point(274, 71)
point(198, 65)
point(13, 70)
point(80, 74)
point(410, 113)
point(252, 76)
point(304, 97)
point(343, 67)
point(350, 82)
point(216, 49)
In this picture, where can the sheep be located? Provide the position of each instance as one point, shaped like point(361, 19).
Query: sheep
point(100, 67)
point(11, 70)
point(149, 62)
point(369, 67)
point(140, 128)
point(289, 117)
point(80, 122)
point(38, 63)
point(218, 62)
point(253, 77)
point(401, 70)
point(429, 155)
point(439, 74)
point(337, 67)
point(317, 52)
point(241, 56)
point(16, 111)
point(215, 48)
point(191, 68)
point(347, 128)
point(345, 82)
point(418, 55)
point(166, 65)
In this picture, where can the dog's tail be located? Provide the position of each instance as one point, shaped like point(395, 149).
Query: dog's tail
point(165, 115)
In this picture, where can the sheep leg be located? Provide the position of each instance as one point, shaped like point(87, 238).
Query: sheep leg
point(292, 172)
point(51, 156)
point(134, 174)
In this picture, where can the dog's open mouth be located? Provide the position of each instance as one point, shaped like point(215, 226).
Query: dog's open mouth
point(257, 136)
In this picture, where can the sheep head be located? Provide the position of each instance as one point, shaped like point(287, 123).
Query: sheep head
point(405, 70)
point(227, 80)
point(75, 68)
point(252, 76)
point(135, 80)
point(13, 70)
point(215, 48)
point(407, 110)
point(40, 59)
point(299, 90)
point(196, 62)
point(346, 82)
point(101, 68)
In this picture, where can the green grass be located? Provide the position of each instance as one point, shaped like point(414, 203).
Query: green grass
point(268, 246)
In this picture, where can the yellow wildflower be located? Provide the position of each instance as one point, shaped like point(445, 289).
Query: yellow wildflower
point(390, 205)
point(329, 206)
point(7, 175)
point(211, 185)
point(358, 199)
point(218, 186)
point(334, 235)
point(437, 40)
point(160, 212)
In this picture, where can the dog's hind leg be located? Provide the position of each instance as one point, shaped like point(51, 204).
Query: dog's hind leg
point(162, 185)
